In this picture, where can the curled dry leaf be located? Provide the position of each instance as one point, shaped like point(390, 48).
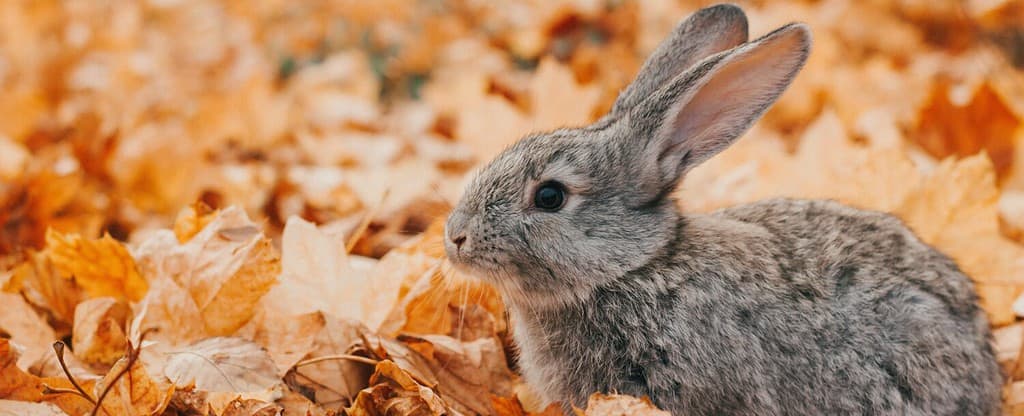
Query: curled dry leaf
point(99, 335)
point(42, 284)
point(619, 405)
point(329, 377)
point(103, 267)
point(15, 383)
point(393, 391)
point(467, 374)
point(134, 393)
point(251, 407)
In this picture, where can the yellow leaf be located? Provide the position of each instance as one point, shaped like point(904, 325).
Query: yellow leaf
point(102, 266)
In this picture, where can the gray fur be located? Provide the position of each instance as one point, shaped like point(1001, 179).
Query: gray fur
point(777, 307)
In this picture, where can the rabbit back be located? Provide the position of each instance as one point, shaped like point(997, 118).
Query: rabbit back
point(778, 307)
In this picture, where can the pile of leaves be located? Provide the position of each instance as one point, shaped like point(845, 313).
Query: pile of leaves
point(222, 208)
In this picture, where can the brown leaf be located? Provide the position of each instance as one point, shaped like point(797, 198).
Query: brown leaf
point(222, 365)
point(42, 284)
point(394, 392)
point(335, 381)
point(295, 404)
point(318, 275)
point(99, 335)
point(103, 267)
point(135, 393)
point(225, 270)
point(25, 327)
point(16, 408)
point(251, 407)
point(15, 383)
point(619, 405)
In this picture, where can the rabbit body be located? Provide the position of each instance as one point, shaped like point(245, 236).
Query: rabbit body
point(778, 307)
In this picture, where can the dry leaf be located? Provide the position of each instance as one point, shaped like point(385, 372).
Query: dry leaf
point(15, 383)
point(393, 391)
point(619, 405)
point(250, 407)
point(42, 284)
point(222, 365)
point(289, 338)
point(99, 335)
point(16, 408)
point(103, 267)
point(26, 328)
point(225, 269)
point(333, 379)
point(135, 393)
point(318, 275)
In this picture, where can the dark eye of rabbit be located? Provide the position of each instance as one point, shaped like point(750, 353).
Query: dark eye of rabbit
point(550, 196)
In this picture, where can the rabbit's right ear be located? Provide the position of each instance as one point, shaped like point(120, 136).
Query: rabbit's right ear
point(701, 112)
point(706, 32)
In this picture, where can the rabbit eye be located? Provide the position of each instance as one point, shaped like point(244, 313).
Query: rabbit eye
point(550, 196)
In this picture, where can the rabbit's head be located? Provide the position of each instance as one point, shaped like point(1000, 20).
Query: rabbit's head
point(561, 212)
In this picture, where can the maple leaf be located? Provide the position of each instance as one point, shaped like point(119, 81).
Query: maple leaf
point(103, 267)
point(221, 274)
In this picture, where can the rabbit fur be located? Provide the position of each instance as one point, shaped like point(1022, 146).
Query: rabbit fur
point(782, 306)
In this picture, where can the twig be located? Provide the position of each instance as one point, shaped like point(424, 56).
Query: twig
point(348, 357)
point(133, 356)
point(58, 348)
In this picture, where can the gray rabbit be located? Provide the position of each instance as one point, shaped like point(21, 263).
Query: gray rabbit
point(778, 307)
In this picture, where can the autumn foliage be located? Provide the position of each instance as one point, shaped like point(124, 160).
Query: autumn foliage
point(233, 208)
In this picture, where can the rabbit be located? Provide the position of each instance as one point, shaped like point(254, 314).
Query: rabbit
point(784, 306)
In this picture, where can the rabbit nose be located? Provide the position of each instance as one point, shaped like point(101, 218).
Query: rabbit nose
point(458, 240)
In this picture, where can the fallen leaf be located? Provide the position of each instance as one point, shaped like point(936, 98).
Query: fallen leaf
point(250, 407)
point(225, 269)
point(16, 408)
point(99, 335)
point(393, 391)
point(15, 383)
point(135, 393)
point(42, 284)
point(619, 405)
point(103, 267)
point(330, 378)
point(25, 327)
point(318, 275)
point(222, 365)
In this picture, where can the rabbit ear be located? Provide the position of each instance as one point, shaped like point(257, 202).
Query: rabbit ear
point(704, 33)
point(700, 113)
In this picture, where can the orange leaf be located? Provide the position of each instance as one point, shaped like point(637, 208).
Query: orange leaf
point(102, 266)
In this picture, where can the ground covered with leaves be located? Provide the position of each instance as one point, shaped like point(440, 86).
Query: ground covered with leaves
point(232, 208)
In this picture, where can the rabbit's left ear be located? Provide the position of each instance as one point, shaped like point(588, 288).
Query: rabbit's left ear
point(702, 111)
